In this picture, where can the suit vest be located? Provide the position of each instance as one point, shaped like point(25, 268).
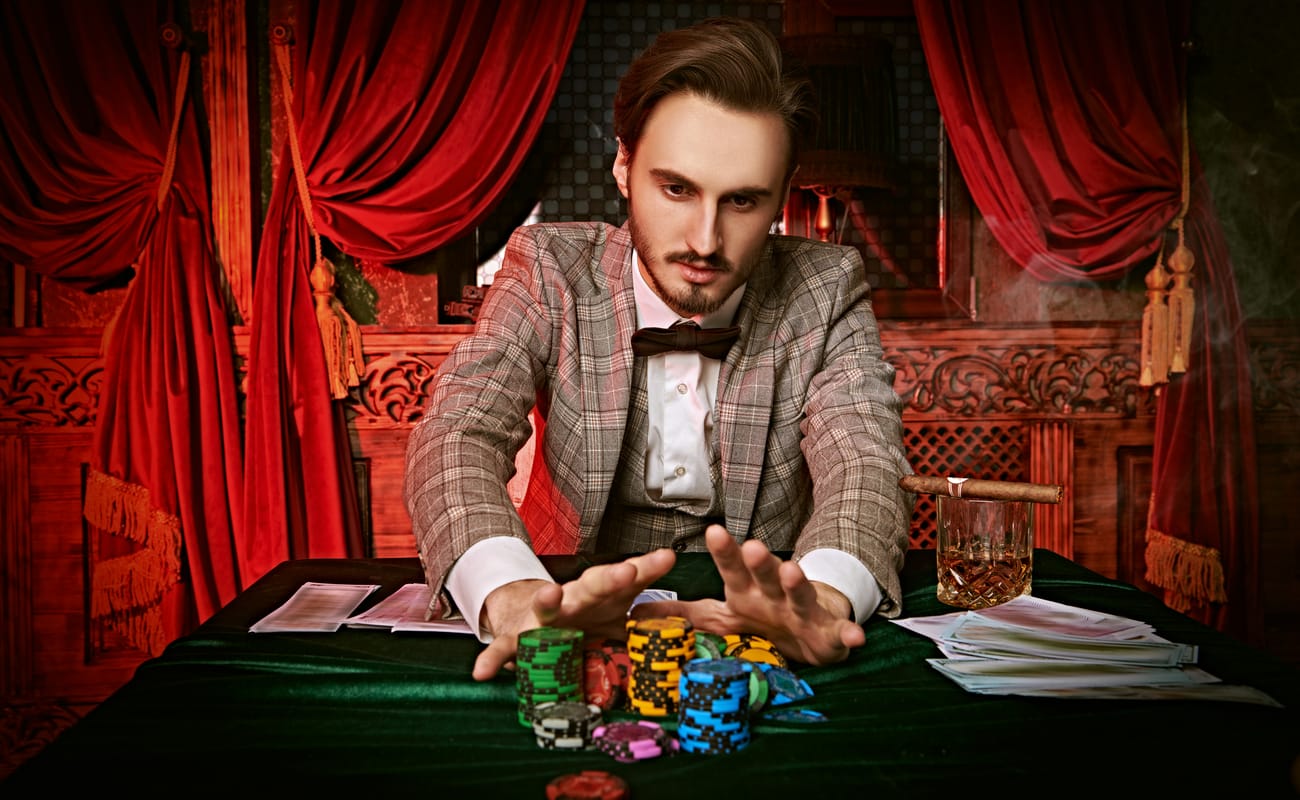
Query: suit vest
point(635, 522)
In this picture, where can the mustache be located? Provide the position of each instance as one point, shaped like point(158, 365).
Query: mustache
point(715, 261)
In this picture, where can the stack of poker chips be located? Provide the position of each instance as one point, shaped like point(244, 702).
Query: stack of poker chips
point(548, 669)
point(565, 725)
point(606, 667)
point(657, 648)
point(628, 741)
point(714, 707)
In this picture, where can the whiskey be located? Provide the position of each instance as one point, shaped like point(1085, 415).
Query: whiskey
point(973, 583)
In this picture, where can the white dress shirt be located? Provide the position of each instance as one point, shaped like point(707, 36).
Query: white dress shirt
point(682, 389)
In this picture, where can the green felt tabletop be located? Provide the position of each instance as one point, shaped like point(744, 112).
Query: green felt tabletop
point(369, 711)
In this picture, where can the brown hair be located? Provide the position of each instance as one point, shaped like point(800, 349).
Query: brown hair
point(734, 62)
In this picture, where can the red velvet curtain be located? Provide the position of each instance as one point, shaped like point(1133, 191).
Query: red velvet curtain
point(1066, 122)
point(87, 101)
point(413, 118)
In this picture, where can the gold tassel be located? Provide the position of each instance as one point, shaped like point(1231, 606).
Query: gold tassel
point(127, 591)
point(1155, 329)
point(339, 333)
point(1190, 574)
point(1182, 304)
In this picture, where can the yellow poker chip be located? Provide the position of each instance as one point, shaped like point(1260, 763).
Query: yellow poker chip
point(751, 647)
point(758, 656)
point(663, 627)
point(750, 639)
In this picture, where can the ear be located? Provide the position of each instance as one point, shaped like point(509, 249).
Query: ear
point(621, 164)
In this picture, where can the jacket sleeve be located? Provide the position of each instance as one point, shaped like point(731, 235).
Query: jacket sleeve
point(461, 453)
point(853, 439)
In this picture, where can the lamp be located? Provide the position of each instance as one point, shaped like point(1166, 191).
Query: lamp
point(857, 138)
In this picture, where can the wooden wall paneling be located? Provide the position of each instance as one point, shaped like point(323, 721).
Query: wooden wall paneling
point(1101, 450)
point(49, 384)
point(74, 659)
point(1051, 461)
point(1275, 362)
point(15, 571)
point(1133, 493)
point(399, 366)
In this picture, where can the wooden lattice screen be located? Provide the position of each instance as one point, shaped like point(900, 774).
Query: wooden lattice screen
point(974, 449)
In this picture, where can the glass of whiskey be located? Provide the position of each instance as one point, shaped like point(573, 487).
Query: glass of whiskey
point(985, 550)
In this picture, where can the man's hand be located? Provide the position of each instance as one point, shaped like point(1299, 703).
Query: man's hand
point(595, 602)
point(807, 621)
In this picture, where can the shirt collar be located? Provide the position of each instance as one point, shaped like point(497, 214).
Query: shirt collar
point(651, 311)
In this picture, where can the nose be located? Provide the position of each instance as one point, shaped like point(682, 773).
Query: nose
point(705, 236)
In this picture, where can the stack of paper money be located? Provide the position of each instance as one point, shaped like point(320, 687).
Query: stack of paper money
point(1030, 646)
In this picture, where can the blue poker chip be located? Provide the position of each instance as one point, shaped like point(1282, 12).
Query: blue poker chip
point(787, 687)
point(797, 715)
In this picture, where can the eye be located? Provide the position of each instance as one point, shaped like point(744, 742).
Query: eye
point(743, 202)
point(674, 190)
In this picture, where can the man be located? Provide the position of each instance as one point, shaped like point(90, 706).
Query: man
point(791, 440)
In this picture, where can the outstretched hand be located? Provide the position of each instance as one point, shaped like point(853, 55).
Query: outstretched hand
point(595, 602)
point(806, 620)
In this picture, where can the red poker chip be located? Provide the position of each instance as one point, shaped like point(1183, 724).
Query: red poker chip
point(590, 784)
point(605, 667)
point(600, 680)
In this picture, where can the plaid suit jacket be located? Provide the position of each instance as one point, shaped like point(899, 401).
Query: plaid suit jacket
point(808, 424)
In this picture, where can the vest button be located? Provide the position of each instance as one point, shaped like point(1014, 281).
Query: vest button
point(679, 547)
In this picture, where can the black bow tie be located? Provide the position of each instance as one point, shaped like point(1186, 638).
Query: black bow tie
point(710, 342)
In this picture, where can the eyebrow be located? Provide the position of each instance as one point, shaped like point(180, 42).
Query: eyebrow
point(669, 176)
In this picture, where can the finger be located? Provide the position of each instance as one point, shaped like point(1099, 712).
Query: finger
point(852, 635)
point(547, 602)
point(494, 657)
point(652, 566)
point(728, 558)
point(798, 590)
point(765, 569)
point(601, 586)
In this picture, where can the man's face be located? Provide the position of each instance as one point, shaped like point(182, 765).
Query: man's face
point(703, 189)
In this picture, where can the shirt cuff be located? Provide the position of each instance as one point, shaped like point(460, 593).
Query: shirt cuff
point(841, 571)
point(485, 566)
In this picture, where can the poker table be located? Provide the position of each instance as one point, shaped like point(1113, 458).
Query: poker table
point(224, 711)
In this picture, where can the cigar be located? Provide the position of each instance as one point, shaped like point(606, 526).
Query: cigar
point(977, 489)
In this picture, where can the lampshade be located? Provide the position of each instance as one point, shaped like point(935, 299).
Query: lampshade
point(857, 138)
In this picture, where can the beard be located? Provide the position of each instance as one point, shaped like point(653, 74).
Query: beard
point(687, 302)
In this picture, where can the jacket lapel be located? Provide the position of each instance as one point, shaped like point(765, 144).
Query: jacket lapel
point(606, 321)
point(745, 400)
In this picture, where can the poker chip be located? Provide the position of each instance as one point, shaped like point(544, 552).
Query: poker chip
point(565, 725)
point(606, 666)
point(759, 688)
point(714, 705)
point(656, 648)
point(548, 669)
point(590, 784)
point(709, 645)
point(628, 741)
point(800, 715)
point(786, 686)
point(752, 647)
